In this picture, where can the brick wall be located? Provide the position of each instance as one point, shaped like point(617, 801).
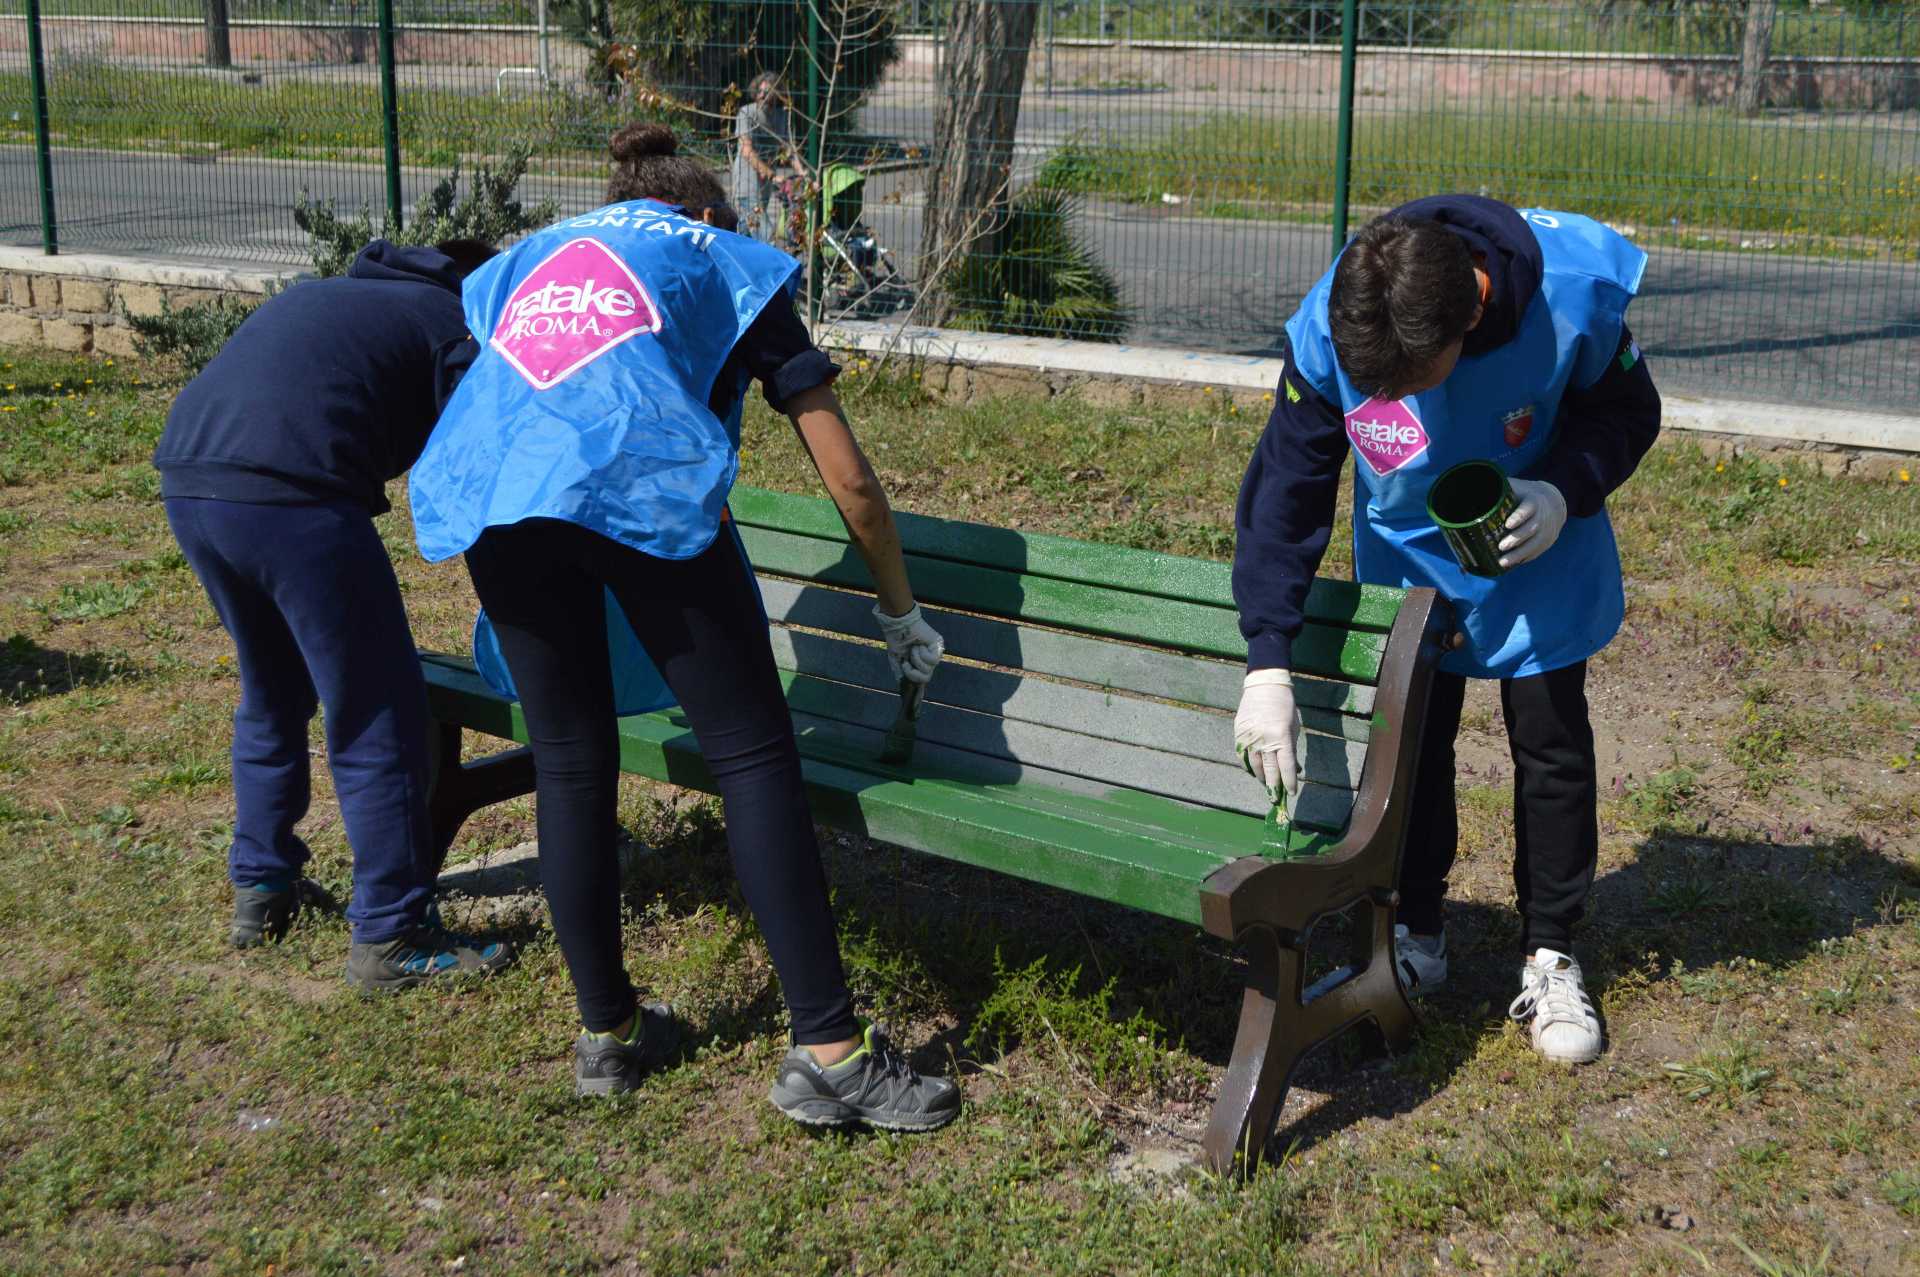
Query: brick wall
point(80, 304)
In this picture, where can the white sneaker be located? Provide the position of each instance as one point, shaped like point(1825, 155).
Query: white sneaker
point(1552, 996)
point(1422, 961)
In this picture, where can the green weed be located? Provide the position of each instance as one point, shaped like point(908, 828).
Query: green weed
point(185, 777)
point(1729, 1075)
point(1902, 1191)
point(95, 600)
point(1663, 796)
point(1053, 1011)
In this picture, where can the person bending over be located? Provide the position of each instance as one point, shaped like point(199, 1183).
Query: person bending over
point(1457, 328)
point(591, 451)
point(273, 464)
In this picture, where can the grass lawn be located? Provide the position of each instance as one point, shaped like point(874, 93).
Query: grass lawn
point(1702, 169)
point(169, 1106)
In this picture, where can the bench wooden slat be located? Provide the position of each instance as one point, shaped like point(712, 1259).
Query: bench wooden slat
point(1085, 563)
point(921, 813)
point(1058, 654)
point(1197, 763)
point(1213, 779)
point(1320, 807)
point(1187, 627)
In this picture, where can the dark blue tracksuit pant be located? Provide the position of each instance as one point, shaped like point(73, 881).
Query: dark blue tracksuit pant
point(311, 601)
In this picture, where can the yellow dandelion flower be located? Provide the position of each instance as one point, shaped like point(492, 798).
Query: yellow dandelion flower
point(1906, 476)
point(1721, 468)
point(1783, 481)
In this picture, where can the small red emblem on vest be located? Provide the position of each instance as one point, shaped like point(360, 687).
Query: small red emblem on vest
point(1518, 424)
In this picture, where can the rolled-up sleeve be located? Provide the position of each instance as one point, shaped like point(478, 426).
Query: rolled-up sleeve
point(777, 352)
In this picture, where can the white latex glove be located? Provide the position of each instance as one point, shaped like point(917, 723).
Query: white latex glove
point(913, 646)
point(1535, 523)
point(1267, 733)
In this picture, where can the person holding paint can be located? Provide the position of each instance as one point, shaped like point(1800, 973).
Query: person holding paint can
point(588, 455)
point(1458, 337)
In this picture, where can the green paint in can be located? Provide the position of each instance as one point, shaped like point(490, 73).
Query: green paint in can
point(1470, 504)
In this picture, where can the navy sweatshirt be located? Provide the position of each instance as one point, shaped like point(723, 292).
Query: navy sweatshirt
point(1284, 518)
point(327, 391)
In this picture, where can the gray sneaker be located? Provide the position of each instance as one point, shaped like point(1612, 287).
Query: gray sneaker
point(263, 912)
point(428, 952)
point(607, 1065)
point(874, 1085)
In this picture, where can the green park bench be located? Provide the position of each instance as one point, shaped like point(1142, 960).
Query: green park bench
point(1078, 734)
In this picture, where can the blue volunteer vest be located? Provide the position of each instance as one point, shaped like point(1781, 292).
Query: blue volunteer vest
point(604, 336)
point(1501, 406)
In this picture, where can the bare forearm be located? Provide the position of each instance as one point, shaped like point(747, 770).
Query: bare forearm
point(856, 493)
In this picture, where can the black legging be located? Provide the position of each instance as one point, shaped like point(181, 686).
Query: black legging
point(542, 582)
point(1555, 801)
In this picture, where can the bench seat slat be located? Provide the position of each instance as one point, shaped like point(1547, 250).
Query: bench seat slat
point(1039, 554)
point(1188, 627)
point(1047, 654)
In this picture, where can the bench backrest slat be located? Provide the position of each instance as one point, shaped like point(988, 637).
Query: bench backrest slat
point(1055, 653)
point(1102, 733)
point(1208, 629)
point(1036, 554)
point(1320, 807)
point(1106, 737)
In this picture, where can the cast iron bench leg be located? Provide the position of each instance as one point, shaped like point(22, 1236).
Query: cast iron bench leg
point(455, 790)
point(1269, 906)
point(1277, 1030)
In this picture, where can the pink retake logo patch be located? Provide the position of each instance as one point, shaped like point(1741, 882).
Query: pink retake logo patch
point(572, 308)
point(1386, 433)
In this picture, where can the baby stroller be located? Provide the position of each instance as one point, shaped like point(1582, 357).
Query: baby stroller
point(861, 280)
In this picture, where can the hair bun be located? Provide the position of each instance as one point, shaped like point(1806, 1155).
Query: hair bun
point(638, 141)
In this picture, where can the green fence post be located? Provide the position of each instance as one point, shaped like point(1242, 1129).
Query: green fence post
point(1343, 147)
point(816, 152)
point(390, 114)
point(42, 144)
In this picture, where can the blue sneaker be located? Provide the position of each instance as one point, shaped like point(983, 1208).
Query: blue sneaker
point(427, 952)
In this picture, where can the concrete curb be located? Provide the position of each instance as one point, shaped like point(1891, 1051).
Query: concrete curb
point(148, 270)
point(1780, 423)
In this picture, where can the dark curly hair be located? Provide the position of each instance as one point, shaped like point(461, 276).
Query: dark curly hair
point(647, 165)
point(1402, 293)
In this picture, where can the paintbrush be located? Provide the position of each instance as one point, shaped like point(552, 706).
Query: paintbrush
point(905, 729)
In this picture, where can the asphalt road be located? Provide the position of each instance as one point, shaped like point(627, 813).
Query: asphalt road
point(1747, 325)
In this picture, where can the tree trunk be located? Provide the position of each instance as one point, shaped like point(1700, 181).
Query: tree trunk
point(1754, 49)
point(984, 69)
point(219, 49)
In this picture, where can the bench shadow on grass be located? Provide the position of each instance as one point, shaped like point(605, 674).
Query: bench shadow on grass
point(1692, 898)
point(30, 671)
point(1688, 898)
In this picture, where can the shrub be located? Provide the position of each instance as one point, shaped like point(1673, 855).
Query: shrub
point(1037, 275)
point(487, 211)
point(194, 334)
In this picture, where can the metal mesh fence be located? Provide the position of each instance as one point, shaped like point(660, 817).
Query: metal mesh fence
point(1158, 172)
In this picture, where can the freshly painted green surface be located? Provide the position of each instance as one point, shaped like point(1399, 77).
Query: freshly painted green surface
point(1129, 848)
point(1063, 558)
point(1188, 627)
